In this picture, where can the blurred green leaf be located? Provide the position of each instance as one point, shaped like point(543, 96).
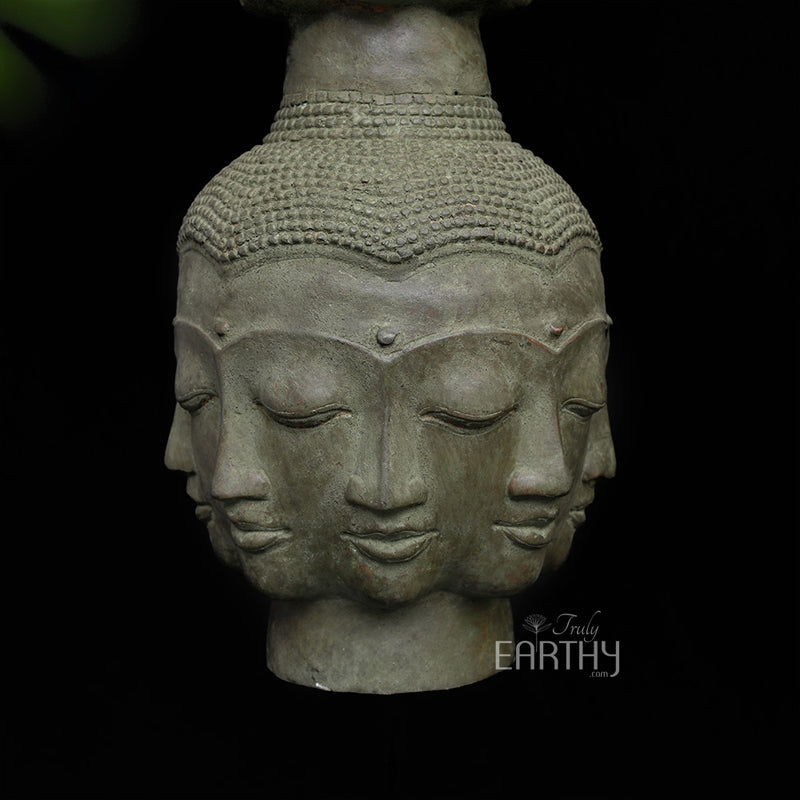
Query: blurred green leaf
point(81, 28)
point(22, 92)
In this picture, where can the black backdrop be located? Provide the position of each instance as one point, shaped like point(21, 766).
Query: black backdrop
point(135, 662)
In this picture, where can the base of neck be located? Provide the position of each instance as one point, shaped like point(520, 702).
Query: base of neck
point(440, 642)
point(411, 49)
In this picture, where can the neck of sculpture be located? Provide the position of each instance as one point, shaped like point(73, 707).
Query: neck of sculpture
point(402, 50)
point(440, 642)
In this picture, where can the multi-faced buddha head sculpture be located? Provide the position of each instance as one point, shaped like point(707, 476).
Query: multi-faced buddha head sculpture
point(391, 341)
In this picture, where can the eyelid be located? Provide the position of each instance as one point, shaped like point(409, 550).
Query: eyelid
point(305, 419)
point(588, 407)
point(462, 422)
point(195, 399)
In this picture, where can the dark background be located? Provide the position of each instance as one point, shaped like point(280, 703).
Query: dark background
point(134, 661)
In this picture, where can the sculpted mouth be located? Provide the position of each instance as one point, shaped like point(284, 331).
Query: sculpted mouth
point(532, 534)
point(203, 512)
point(579, 512)
point(390, 547)
point(257, 538)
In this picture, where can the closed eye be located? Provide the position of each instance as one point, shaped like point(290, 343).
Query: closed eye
point(465, 423)
point(305, 419)
point(580, 408)
point(195, 400)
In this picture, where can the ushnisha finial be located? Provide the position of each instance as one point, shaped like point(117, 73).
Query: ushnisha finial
point(293, 8)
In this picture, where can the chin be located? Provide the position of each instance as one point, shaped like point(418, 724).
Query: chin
point(559, 549)
point(221, 542)
point(391, 587)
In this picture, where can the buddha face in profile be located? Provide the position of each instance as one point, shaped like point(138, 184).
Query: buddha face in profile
point(373, 435)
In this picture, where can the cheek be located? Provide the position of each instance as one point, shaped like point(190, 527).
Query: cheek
point(574, 438)
point(308, 470)
point(469, 474)
point(205, 441)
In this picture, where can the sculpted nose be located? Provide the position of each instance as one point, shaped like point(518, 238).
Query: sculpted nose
point(178, 455)
point(385, 495)
point(388, 476)
point(601, 459)
point(232, 483)
point(237, 474)
point(549, 483)
point(540, 469)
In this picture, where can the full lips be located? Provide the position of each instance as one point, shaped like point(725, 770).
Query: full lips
point(391, 548)
point(258, 541)
point(531, 534)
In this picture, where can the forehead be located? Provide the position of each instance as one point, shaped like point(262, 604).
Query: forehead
point(471, 371)
point(341, 299)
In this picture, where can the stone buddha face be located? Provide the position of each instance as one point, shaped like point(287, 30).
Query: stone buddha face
point(378, 436)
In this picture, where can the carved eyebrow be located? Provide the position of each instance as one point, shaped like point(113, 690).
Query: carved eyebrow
point(179, 324)
point(563, 344)
point(590, 324)
point(387, 358)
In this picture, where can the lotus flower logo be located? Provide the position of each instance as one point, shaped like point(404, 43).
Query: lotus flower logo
point(536, 623)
